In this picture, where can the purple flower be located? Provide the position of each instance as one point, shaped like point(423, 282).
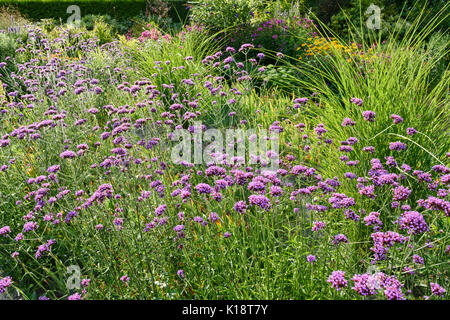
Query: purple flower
point(411, 131)
point(356, 101)
point(413, 221)
point(440, 168)
point(369, 116)
point(348, 122)
point(240, 206)
point(351, 215)
point(246, 46)
point(85, 282)
point(180, 273)
point(53, 168)
point(203, 188)
point(401, 193)
point(337, 280)
point(368, 191)
point(215, 171)
point(44, 248)
point(339, 238)
point(213, 217)
point(29, 226)
point(396, 118)
point(311, 258)
point(260, 201)
point(383, 241)
point(340, 200)
point(350, 175)
point(67, 154)
point(418, 259)
point(398, 146)
point(373, 220)
point(437, 290)
point(367, 284)
point(301, 100)
point(178, 228)
point(318, 225)
point(75, 296)
point(160, 210)
point(434, 203)
point(393, 289)
point(4, 230)
point(275, 191)
point(369, 149)
point(5, 283)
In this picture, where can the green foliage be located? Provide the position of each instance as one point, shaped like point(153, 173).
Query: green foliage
point(273, 36)
point(118, 9)
point(396, 16)
point(439, 42)
point(221, 14)
point(408, 77)
point(119, 26)
point(8, 45)
point(282, 9)
point(103, 32)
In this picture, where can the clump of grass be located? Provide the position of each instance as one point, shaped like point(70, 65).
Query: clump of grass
point(11, 17)
point(395, 77)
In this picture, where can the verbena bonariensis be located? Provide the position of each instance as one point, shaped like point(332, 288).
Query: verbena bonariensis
point(89, 181)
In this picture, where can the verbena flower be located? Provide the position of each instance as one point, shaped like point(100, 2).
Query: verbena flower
point(337, 280)
point(260, 201)
point(437, 290)
point(369, 115)
point(5, 283)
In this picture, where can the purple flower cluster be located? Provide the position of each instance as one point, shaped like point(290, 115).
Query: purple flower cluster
point(383, 241)
point(373, 220)
point(369, 116)
point(339, 238)
point(44, 248)
point(337, 280)
point(413, 221)
point(261, 201)
point(240, 206)
point(5, 283)
point(400, 193)
point(398, 146)
point(437, 290)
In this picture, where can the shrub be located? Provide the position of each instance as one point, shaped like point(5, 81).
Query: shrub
point(273, 36)
point(221, 14)
point(103, 32)
point(119, 9)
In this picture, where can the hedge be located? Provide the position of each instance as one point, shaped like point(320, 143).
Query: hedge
point(57, 9)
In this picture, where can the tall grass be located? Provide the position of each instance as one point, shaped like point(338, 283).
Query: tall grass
point(395, 77)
